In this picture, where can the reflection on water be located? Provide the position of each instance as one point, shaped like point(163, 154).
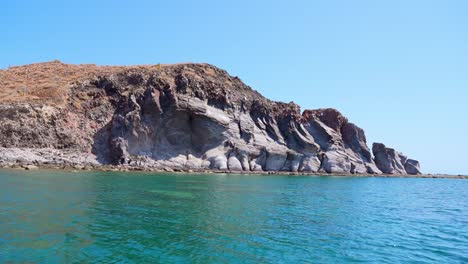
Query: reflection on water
point(58, 217)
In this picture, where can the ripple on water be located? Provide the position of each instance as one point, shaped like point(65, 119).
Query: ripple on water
point(53, 217)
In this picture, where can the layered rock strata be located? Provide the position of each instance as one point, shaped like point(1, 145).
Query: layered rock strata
point(191, 117)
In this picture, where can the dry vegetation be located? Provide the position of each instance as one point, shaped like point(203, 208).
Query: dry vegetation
point(50, 81)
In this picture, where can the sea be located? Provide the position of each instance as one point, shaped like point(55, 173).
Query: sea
point(123, 217)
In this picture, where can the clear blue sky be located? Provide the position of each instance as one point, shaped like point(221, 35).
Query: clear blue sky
point(399, 69)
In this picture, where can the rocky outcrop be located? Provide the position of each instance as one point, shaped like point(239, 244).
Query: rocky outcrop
point(343, 144)
point(412, 167)
point(192, 116)
point(390, 161)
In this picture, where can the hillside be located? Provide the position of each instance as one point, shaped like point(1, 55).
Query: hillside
point(181, 116)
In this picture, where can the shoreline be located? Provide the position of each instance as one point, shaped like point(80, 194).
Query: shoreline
point(113, 168)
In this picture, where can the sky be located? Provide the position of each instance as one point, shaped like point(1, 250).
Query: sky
point(398, 69)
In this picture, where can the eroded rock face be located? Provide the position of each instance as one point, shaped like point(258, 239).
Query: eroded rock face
point(195, 116)
point(343, 145)
point(412, 167)
point(390, 161)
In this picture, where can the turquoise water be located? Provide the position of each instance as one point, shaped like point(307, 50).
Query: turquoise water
point(60, 217)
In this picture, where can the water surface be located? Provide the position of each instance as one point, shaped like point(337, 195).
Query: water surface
point(97, 217)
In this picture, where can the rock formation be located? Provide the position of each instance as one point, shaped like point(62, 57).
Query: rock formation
point(390, 161)
point(184, 116)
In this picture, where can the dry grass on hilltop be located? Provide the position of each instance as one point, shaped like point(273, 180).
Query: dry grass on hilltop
point(50, 81)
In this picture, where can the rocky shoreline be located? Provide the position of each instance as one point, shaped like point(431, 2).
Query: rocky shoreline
point(72, 161)
point(183, 117)
point(157, 171)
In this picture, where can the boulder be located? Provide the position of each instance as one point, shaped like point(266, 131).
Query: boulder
point(310, 163)
point(412, 167)
point(233, 163)
point(219, 163)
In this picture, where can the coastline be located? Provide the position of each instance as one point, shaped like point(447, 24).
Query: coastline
point(133, 169)
point(192, 116)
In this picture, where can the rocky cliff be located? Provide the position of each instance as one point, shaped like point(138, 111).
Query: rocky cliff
point(183, 116)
